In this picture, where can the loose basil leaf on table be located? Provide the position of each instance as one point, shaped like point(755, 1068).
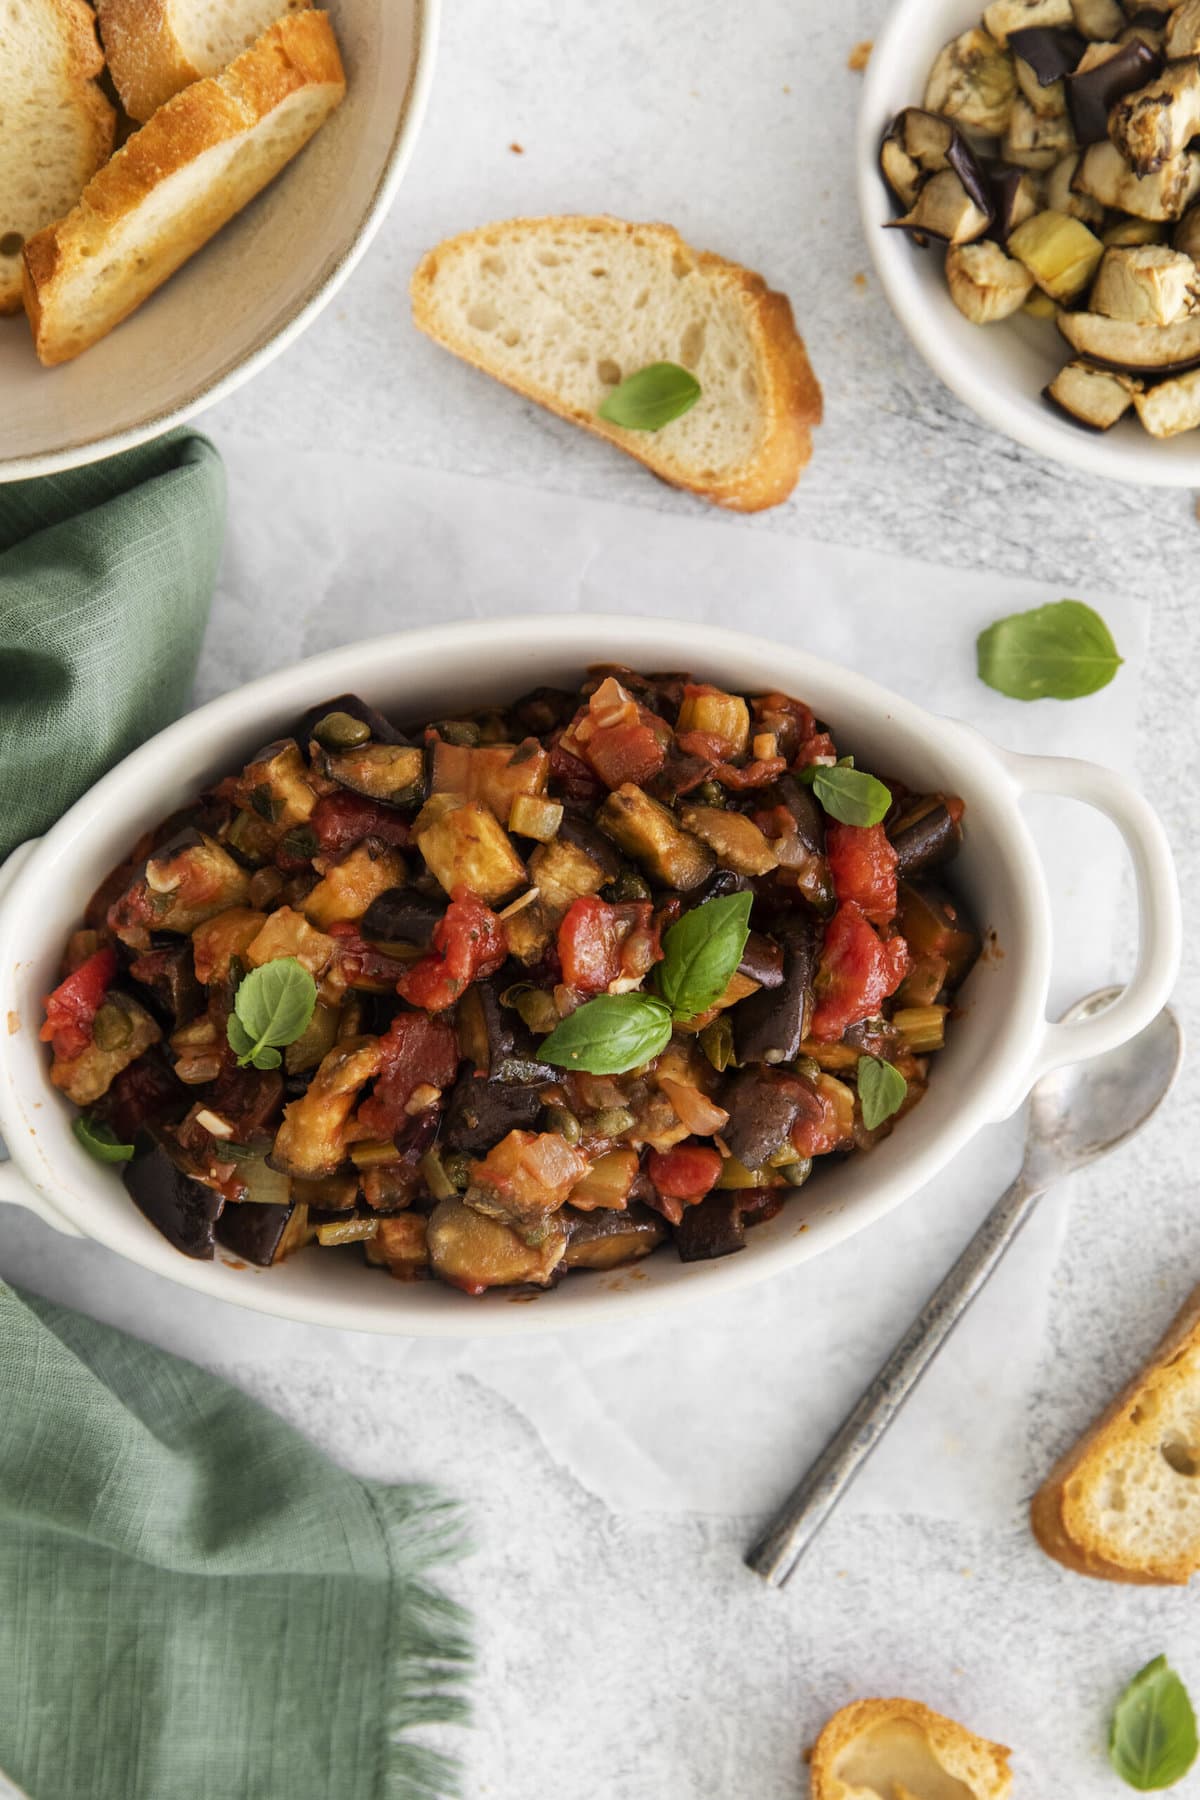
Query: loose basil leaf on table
point(272, 1008)
point(610, 1034)
point(1152, 1742)
point(847, 794)
point(100, 1140)
point(651, 398)
point(1057, 652)
point(701, 952)
point(881, 1090)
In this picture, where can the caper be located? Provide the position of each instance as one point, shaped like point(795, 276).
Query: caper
point(629, 885)
point(796, 1173)
point(610, 1121)
point(341, 731)
point(535, 1005)
point(711, 793)
point(564, 1122)
point(459, 731)
point(808, 1067)
point(112, 1027)
point(456, 1165)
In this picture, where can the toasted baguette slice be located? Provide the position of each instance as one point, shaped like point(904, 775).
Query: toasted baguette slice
point(56, 127)
point(891, 1749)
point(563, 309)
point(156, 47)
point(1124, 1503)
point(177, 181)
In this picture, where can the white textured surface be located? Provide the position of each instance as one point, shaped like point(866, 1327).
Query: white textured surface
point(626, 1653)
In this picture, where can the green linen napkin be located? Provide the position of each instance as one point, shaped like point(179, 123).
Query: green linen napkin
point(194, 1603)
point(106, 576)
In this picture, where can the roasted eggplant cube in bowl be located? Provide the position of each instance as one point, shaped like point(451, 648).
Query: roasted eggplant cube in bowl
point(525, 994)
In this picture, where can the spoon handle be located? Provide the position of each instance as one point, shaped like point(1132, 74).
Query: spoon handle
point(806, 1509)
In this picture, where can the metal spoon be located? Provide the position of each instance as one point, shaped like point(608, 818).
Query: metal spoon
point(1077, 1114)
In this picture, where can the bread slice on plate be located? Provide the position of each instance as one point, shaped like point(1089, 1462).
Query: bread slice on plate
point(56, 127)
point(1124, 1503)
point(156, 47)
point(901, 1750)
point(197, 162)
point(562, 309)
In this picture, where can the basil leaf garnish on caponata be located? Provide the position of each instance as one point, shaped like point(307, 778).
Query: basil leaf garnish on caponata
point(100, 1140)
point(881, 1090)
point(651, 398)
point(610, 1034)
point(701, 952)
point(1062, 651)
point(846, 793)
point(1152, 1741)
point(272, 1008)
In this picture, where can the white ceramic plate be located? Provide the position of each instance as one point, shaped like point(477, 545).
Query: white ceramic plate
point(995, 1051)
point(254, 287)
point(998, 370)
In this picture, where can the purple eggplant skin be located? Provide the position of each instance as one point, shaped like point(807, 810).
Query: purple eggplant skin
point(381, 729)
point(401, 916)
point(481, 1112)
point(771, 1025)
point(1091, 95)
point(715, 1227)
point(183, 1209)
point(804, 808)
point(167, 972)
point(929, 841)
point(606, 1238)
point(762, 961)
point(1051, 51)
point(762, 1107)
point(254, 1232)
point(585, 836)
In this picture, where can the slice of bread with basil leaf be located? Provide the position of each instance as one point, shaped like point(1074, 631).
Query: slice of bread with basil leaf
point(1124, 1503)
point(690, 363)
point(902, 1750)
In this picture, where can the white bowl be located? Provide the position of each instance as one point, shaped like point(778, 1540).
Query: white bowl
point(255, 287)
point(999, 1046)
point(998, 370)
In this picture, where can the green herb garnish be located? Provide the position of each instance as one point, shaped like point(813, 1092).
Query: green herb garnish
point(272, 1008)
point(610, 1034)
point(701, 952)
point(1152, 1740)
point(846, 793)
point(652, 398)
point(881, 1090)
point(100, 1140)
point(1057, 652)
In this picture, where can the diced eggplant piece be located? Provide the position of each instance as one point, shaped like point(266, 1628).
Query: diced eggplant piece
point(933, 924)
point(401, 1245)
point(393, 774)
point(481, 1112)
point(1060, 253)
point(763, 1105)
point(1183, 30)
point(762, 961)
point(493, 774)
point(1124, 234)
point(381, 729)
point(169, 973)
point(484, 1026)
point(474, 1252)
point(1016, 195)
point(347, 889)
point(944, 209)
point(1034, 141)
point(1101, 80)
point(183, 1209)
point(400, 915)
point(274, 786)
point(582, 835)
point(311, 1142)
point(771, 1025)
point(735, 840)
point(648, 832)
point(1061, 197)
point(288, 933)
point(973, 82)
point(186, 881)
point(1004, 17)
point(464, 845)
point(122, 1030)
point(715, 1227)
point(984, 284)
point(924, 837)
point(902, 172)
point(802, 804)
point(934, 143)
point(1170, 407)
point(1186, 236)
point(1048, 52)
point(1098, 19)
point(1147, 284)
point(1138, 349)
point(221, 940)
point(1093, 398)
point(605, 1239)
point(1156, 124)
point(264, 1234)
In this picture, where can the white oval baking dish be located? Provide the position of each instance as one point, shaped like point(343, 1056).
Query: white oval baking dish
point(997, 1049)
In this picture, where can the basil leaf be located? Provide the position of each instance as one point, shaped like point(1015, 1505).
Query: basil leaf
point(1152, 1740)
point(701, 952)
point(100, 1140)
point(881, 1090)
point(273, 1006)
point(846, 793)
point(1056, 652)
point(609, 1035)
point(652, 398)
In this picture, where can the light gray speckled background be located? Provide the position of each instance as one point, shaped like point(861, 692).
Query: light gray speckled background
point(630, 1657)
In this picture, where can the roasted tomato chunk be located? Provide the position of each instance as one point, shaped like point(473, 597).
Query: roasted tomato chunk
point(417, 1052)
point(339, 820)
point(72, 1007)
point(859, 970)
point(863, 865)
point(468, 942)
point(687, 1172)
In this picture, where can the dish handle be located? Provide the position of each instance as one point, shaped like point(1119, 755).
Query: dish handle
point(1160, 928)
point(15, 1188)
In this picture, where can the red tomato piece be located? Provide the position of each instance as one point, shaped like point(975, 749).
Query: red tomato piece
point(821, 1127)
point(72, 1007)
point(339, 820)
point(468, 943)
point(863, 865)
point(820, 747)
point(589, 945)
point(571, 779)
point(686, 1173)
point(858, 972)
point(416, 1051)
point(625, 752)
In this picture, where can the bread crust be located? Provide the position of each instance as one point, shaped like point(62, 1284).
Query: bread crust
point(791, 394)
point(298, 51)
point(946, 1737)
point(1055, 1518)
point(144, 57)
